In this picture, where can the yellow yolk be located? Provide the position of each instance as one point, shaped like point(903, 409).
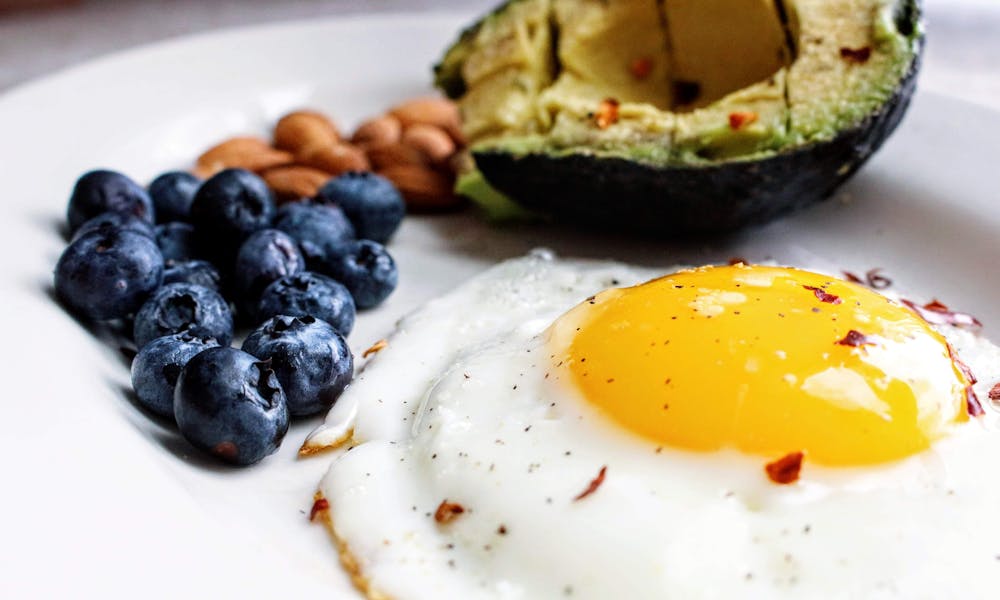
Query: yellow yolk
point(768, 360)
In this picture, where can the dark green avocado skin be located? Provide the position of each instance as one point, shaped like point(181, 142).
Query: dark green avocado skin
point(614, 193)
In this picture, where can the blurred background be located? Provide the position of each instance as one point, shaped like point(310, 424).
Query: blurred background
point(38, 37)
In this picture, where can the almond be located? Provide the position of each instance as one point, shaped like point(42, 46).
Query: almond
point(425, 190)
point(391, 155)
point(430, 140)
point(378, 132)
point(438, 112)
point(302, 129)
point(294, 182)
point(246, 152)
point(461, 162)
point(335, 159)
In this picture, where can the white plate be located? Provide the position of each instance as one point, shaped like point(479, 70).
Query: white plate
point(97, 499)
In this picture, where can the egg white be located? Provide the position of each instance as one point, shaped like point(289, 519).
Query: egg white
point(460, 406)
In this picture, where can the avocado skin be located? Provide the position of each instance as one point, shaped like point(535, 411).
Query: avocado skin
point(667, 201)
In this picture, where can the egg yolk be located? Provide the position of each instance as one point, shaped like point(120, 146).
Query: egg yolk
point(768, 360)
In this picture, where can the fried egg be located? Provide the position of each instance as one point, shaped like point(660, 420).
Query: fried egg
point(557, 428)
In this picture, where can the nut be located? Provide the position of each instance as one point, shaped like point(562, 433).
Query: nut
point(246, 152)
point(461, 162)
point(294, 182)
point(378, 132)
point(431, 141)
point(425, 190)
point(301, 129)
point(335, 159)
point(438, 112)
point(391, 155)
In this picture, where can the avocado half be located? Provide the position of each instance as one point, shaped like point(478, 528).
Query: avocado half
point(680, 116)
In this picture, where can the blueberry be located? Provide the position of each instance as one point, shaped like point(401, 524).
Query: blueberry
point(108, 274)
point(310, 359)
point(266, 256)
point(367, 270)
point(230, 404)
point(373, 205)
point(227, 209)
point(156, 368)
point(198, 272)
point(321, 230)
point(98, 192)
point(176, 241)
point(309, 294)
point(184, 307)
point(172, 194)
point(114, 220)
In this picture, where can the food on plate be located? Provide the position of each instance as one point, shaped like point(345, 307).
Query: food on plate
point(264, 257)
point(557, 427)
point(243, 152)
point(321, 228)
point(367, 271)
point(221, 254)
point(157, 366)
point(308, 356)
point(105, 222)
point(309, 294)
point(303, 129)
point(198, 272)
point(373, 205)
point(172, 194)
point(680, 115)
point(102, 191)
point(295, 182)
point(227, 208)
point(416, 145)
point(176, 240)
point(230, 404)
point(108, 274)
point(183, 308)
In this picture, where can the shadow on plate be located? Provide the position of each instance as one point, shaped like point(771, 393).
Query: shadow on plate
point(162, 431)
point(882, 214)
point(50, 223)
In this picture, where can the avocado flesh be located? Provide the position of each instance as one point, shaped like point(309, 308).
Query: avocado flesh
point(823, 29)
point(535, 73)
point(674, 156)
point(503, 69)
point(723, 45)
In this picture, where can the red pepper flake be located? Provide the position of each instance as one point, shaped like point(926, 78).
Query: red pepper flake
point(319, 505)
point(964, 368)
point(938, 313)
point(972, 404)
point(876, 280)
point(855, 339)
point(641, 67)
point(447, 512)
point(786, 469)
point(740, 119)
point(858, 56)
point(853, 278)
point(607, 113)
point(823, 295)
point(995, 392)
point(873, 279)
point(594, 484)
